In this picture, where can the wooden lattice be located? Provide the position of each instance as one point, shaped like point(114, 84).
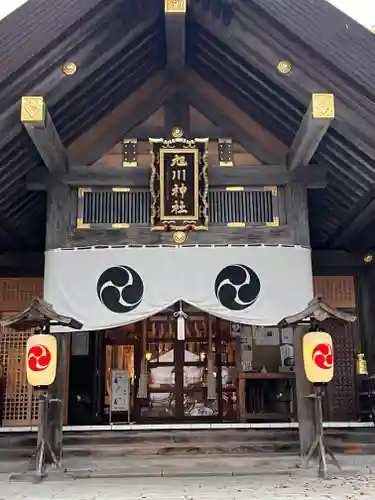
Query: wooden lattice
point(16, 293)
point(337, 291)
point(20, 400)
point(341, 391)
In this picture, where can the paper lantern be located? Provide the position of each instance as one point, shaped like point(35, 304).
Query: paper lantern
point(41, 359)
point(318, 357)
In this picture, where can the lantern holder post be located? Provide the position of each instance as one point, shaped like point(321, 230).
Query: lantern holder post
point(318, 448)
point(40, 316)
point(316, 312)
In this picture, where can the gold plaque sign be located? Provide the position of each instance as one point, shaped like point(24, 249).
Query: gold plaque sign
point(318, 357)
point(179, 184)
point(41, 360)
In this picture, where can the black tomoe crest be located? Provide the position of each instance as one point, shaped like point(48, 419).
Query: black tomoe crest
point(120, 289)
point(237, 287)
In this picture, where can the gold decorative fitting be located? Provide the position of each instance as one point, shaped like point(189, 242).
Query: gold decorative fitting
point(274, 223)
point(82, 225)
point(177, 132)
point(323, 106)
point(69, 68)
point(236, 224)
point(33, 109)
point(373, 29)
point(120, 226)
point(234, 188)
point(284, 67)
point(361, 364)
point(273, 189)
point(120, 190)
point(179, 237)
point(175, 6)
point(368, 258)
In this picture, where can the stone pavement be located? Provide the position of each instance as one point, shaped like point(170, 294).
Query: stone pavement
point(199, 478)
point(204, 488)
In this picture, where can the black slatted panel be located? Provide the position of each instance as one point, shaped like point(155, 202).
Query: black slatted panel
point(107, 207)
point(249, 207)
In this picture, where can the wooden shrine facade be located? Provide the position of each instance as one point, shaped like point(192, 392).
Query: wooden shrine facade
point(290, 160)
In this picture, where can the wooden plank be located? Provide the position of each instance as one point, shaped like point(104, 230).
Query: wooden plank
point(116, 125)
point(313, 176)
point(257, 46)
point(347, 234)
point(216, 235)
point(233, 121)
point(314, 125)
point(175, 27)
point(39, 125)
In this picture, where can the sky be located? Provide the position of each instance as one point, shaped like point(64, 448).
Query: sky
point(362, 11)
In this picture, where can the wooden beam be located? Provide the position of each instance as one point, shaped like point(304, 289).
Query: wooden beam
point(177, 114)
point(260, 175)
point(350, 231)
point(234, 122)
point(39, 125)
point(175, 26)
point(337, 259)
point(217, 235)
point(117, 125)
point(143, 132)
point(314, 125)
point(10, 260)
point(248, 36)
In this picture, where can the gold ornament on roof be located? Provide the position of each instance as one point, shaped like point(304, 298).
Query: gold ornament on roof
point(33, 109)
point(177, 132)
point(69, 68)
point(174, 6)
point(179, 237)
point(323, 106)
point(284, 67)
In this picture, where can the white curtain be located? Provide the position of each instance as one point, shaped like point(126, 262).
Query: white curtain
point(109, 287)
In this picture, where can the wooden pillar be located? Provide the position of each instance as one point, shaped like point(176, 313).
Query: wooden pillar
point(297, 213)
point(59, 210)
point(303, 389)
point(298, 220)
point(366, 313)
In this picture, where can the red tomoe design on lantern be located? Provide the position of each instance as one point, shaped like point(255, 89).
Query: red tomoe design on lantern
point(322, 356)
point(39, 358)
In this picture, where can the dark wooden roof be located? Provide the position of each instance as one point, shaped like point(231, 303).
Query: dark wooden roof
point(119, 44)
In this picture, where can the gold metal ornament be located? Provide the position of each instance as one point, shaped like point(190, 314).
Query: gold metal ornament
point(177, 132)
point(69, 68)
point(33, 109)
point(323, 106)
point(368, 258)
point(361, 364)
point(284, 67)
point(175, 6)
point(179, 237)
